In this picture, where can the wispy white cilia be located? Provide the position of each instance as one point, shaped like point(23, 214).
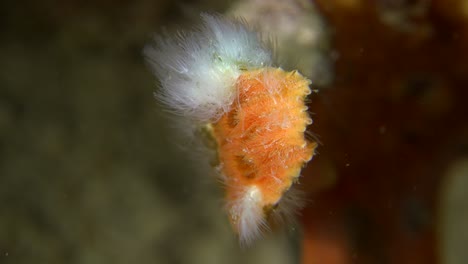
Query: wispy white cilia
point(198, 69)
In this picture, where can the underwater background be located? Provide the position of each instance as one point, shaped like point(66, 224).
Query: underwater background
point(93, 170)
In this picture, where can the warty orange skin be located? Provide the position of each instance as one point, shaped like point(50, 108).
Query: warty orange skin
point(261, 142)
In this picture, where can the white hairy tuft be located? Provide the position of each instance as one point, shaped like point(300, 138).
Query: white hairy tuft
point(247, 215)
point(198, 69)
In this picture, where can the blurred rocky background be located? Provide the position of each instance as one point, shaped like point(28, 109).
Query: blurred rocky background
point(91, 172)
point(389, 184)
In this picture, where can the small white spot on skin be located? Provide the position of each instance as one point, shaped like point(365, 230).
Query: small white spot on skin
point(273, 175)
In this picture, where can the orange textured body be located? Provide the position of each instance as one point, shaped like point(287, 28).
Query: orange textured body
point(261, 141)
